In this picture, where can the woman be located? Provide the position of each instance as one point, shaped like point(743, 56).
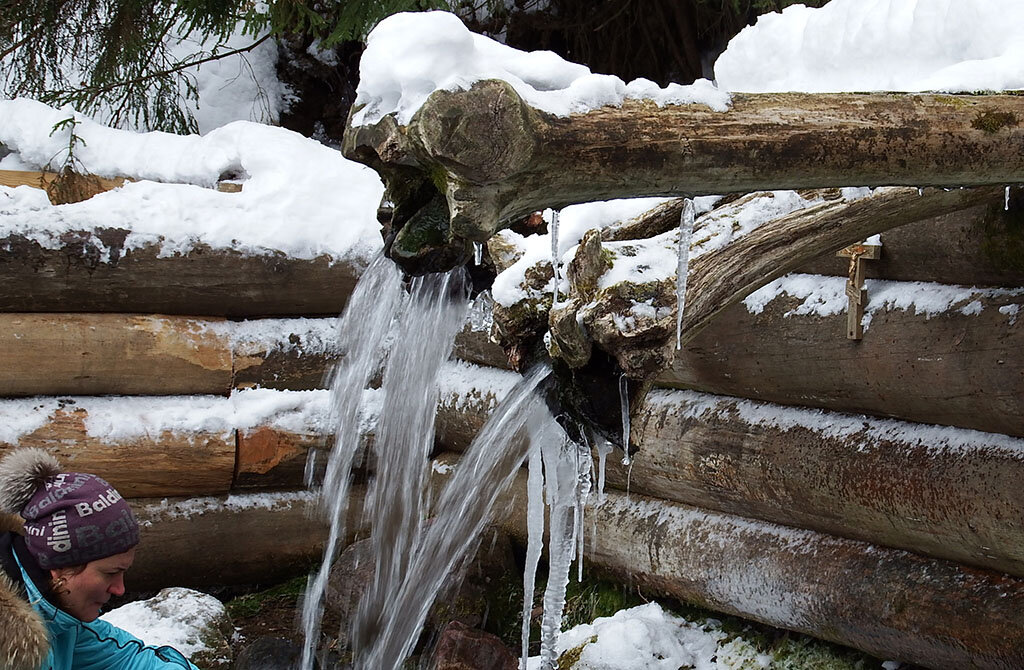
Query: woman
point(61, 562)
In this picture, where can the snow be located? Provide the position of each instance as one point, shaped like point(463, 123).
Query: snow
point(410, 55)
point(880, 45)
point(299, 196)
point(175, 617)
point(826, 296)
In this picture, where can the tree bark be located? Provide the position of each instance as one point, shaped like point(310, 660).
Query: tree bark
point(887, 602)
point(169, 464)
point(952, 368)
point(91, 271)
point(501, 159)
point(223, 541)
point(95, 354)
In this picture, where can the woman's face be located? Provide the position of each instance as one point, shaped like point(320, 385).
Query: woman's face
point(83, 594)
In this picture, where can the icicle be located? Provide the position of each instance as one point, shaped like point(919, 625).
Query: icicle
point(683, 266)
point(535, 538)
point(1006, 200)
point(584, 482)
point(478, 253)
point(604, 447)
point(554, 254)
point(308, 473)
point(920, 191)
point(624, 403)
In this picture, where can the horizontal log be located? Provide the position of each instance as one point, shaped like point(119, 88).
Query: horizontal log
point(980, 246)
point(256, 538)
point(92, 354)
point(92, 271)
point(143, 465)
point(272, 458)
point(943, 492)
point(959, 366)
point(502, 159)
point(889, 603)
point(290, 354)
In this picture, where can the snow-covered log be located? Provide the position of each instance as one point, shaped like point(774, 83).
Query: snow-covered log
point(91, 271)
point(930, 353)
point(888, 602)
point(274, 458)
point(498, 159)
point(257, 538)
point(89, 354)
point(162, 462)
point(943, 492)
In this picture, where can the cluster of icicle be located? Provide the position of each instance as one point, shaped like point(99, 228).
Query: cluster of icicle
point(407, 332)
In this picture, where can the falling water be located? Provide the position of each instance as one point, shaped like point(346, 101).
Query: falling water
point(683, 265)
point(363, 328)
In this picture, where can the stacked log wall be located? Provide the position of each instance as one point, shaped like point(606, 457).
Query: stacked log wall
point(235, 500)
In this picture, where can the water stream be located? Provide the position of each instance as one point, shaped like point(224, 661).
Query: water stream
point(408, 332)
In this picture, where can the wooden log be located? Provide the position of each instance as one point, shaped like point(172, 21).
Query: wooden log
point(61, 189)
point(979, 246)
point(273, 458)
point(887, 602)
point(253, 538)
point(502, 159)
point(943, 492)
point(93, 354)
point(163, 464)
point(91, 271)
point(291, 354)
point(952, 368)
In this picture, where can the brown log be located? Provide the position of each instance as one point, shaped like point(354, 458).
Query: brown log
point(299, 357)
point(887, 602)
point(238, 539)
point(941, 492)
point(168, 464)
point(950, 369)
point(980, 246)
point(272, 458)
point(92, 272)
point(93, 354)
point(502, 159)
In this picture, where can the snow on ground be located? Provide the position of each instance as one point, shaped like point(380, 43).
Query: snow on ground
point(880, 45)
point(175, 617)
point(410, 55)
point(299, 196)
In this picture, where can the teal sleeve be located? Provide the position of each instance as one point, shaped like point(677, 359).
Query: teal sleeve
point(103, 646)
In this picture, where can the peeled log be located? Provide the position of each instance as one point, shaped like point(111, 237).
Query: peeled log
point(887, 602)
point(501, 159)
point(239, 539)
point(168, 464)
point(942, 492)
point(90, 271)
point(951, 369)
point(94, 354)
point(271, 458)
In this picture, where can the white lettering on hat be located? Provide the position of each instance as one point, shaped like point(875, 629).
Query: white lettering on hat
point(60, 539)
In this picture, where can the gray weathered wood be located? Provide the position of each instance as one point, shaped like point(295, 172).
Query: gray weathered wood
point(501, 159)
point(887, 602)
point(81, 276)
point(952, 369)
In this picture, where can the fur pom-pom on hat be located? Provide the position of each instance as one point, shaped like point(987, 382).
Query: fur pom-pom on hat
point(22, 472)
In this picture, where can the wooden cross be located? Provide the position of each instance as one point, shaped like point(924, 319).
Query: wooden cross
point(855, 291)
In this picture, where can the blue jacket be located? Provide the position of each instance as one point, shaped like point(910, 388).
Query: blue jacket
point(75, 645)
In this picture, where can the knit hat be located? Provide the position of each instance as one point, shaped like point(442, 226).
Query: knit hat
point(71, 518)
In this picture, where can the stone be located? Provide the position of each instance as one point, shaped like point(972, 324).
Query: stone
point(350, 575)
point(463, 648)
point(269, 653)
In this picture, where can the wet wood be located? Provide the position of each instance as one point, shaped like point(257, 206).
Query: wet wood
point(271, 458)
point(952, 368)
point(166, 464)
point(887, 602)
point(222, 541)
point(503, 159)
point(91, 271)
point(96, 354)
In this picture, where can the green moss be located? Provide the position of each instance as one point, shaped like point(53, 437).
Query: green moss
point(570, 657)
point(251, 604)
point(953, 100)
point(992, 122)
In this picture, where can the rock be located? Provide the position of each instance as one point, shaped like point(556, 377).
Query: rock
point(463, 648)
point(196, 624)
point(269, 653)
point(350, 575)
